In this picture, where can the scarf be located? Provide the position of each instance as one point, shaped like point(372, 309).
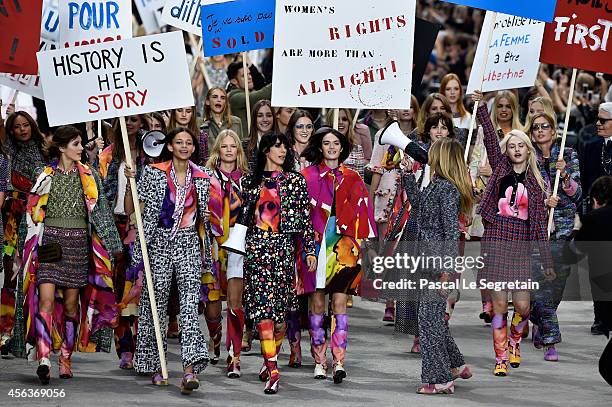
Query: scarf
point(180, 194)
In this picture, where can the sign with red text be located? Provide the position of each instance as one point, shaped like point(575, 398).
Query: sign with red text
point(186, 14)
point(579, 36)
point(514, 53)
point(19, 35)
point(85, 22)
point(49, 35)
point(345, 55)
point(117, 78)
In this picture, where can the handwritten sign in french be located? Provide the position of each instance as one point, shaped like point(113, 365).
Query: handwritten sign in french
point(237, 26)
point(85, 22)
point(514, 53)
point(579, 36)
point(186, 14)
point(113, 79)
point(345, 56)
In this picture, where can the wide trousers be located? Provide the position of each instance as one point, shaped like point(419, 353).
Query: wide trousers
point(182, 257)
point(439, 352)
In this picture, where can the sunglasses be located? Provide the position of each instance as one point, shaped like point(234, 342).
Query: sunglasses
point(543, 126)
point(304, 126)
point(602, 120)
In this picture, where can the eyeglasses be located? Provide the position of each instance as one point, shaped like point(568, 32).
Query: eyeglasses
point(603, 120)
point(543, 126)
point(304, 126)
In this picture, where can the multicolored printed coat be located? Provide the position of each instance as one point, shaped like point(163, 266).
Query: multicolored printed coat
point(98, 307)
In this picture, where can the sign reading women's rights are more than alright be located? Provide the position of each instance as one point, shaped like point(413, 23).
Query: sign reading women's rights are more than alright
point(514, 53)
point(113, 79)
point(333, 53)
point(85, 22)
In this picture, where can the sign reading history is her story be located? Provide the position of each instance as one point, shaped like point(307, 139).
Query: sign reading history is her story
point(344, 56)
point(237, 26)
point(514, 53)
point(85, 22)
point(579, 36)
point(113, 79)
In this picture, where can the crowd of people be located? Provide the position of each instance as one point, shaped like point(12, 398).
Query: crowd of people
point(312, 199)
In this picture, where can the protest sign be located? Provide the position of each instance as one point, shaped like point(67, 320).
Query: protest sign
point(539, 10)
point(19, 35)
point(50, 21)
point(116, 78)
point(579, 36)
point(345, 56)
point(85, 22)
point(147, 9)
point(426, 32)
point(514, 53)
point(237, 26)
point(185, 14)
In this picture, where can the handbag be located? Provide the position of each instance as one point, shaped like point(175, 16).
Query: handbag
point(49, 253)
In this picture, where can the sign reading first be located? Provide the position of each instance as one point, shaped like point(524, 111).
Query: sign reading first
point(85, 22)
point(118, 78)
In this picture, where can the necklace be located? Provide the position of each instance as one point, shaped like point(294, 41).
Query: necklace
point(67, 172)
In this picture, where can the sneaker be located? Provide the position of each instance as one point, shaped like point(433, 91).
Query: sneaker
point(501, 368)
point(339, 373)
point(44, 370)
point(515, 354)
point(389, 314)
point(551, 354)
point(443, 388)
point(320, 373)
point(537, 339)
point(190, 383)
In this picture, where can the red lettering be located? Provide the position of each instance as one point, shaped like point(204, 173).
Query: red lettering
point(93, 101)
point(129, 97)
point(144, 96)
point(118, 105)
point(216, 42)
point(328, 84)
point(333, 33)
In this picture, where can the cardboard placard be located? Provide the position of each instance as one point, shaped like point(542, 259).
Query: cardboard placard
point(353, 57)
point(514, 52)
point(542, 10)
point(19, 35)
point(113, 79)
point(237, 26)
point(85, 22)
point(579, 36)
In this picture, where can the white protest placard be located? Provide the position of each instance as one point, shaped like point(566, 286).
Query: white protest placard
point(186, 14)
point(49, 35)
point(147, 9)
point(345, 55)
point(85, 22)
point(117, 78)
point(514, 53)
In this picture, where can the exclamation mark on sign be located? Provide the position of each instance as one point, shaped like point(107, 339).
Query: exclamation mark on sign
point(394, 69)
point(14, 49)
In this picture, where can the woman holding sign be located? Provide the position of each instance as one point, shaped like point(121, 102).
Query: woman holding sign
point(514, 218)
point(24, 144)
point(275, 211)
point(543, 132)
point(175, 195)
point(70, 236)
point(341, 218)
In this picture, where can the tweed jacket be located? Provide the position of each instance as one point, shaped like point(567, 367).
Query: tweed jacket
point(502, 166)
point(294, 206)
point(435, 212)
point(152, 188)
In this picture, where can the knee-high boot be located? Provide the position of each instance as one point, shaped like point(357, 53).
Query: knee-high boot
point(268, 350)
point(233, 342)
point(294, 334)
point(499, 328)
point(215, 333)
point(338, 345)
point(70, 335)
point(318, 341)
point(516, 334)
point(44, 327)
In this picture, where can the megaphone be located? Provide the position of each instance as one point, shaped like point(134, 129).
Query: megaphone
point(392, 134)
point(236, 241)
point(153, 143)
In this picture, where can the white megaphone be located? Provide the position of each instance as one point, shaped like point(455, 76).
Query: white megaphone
point(236, 241)
point(393, 135)
point(153, 143)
